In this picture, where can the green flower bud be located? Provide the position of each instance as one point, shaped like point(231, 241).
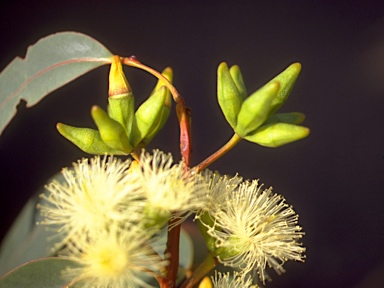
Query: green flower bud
point(121, 108)
point(290, 118)
point(111, 131)
point(256, 109)
point(287, 79)
point(277, 134)
point(229, 96)
point(167, 73)
point(166, 110)
point(148, 115)
point(121, 101)
point(239, 81)
point(88, 140)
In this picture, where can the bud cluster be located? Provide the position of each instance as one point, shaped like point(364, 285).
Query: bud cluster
point(121, 129)
point(254, 118)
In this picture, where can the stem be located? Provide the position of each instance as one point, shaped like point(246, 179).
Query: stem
point(228, 146)
point(207, 265)
point(173, 243)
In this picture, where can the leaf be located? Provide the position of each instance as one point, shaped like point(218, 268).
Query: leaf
point(49, 64)
point(186, 255)
point(26, 241)
point(41, 273)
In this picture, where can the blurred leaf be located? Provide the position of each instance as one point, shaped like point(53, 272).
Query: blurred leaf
point(26, 241)
point(185, 255)
point(49, 64)
point(41, 273)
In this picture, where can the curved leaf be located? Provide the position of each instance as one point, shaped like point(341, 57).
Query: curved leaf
point(49, 64)
point(42, 273)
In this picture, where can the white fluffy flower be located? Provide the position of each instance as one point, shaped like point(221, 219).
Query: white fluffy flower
point(254, 229)
point(115, 258)
point(218, 189)
point(225, 280)
point(167, 187)
point(94, 194)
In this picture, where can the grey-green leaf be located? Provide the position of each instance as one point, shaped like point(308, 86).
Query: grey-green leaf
point(26, 241)
point(49, 64)
point(41, 273)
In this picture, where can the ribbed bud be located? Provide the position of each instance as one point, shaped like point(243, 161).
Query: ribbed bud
point(148, 115)
point(166, 110)
point(287, 79)
point(88, 140)
point(277, 134)
point(256, 109)
point(228, 94)
point(111, 131)
point(289, 118)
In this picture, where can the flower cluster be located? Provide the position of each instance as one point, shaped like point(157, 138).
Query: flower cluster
point(109, 212)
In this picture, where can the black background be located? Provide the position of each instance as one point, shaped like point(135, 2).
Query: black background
point(334, 178)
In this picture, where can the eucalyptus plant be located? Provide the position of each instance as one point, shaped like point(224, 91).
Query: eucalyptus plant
point(115, 219)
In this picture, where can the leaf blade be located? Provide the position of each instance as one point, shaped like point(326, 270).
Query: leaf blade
point(41, 273)
point(50, 63)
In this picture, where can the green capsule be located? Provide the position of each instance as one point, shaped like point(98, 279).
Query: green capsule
point(147, 116)
point(289, 118)
point(228, 95)
point(111, 131)
point(287, 79)
point(255, 109)
point(88, 140)
point(277, 134)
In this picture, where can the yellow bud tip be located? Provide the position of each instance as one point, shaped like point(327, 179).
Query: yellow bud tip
point(295, 68)
point(118, 84)
point(60, 127)
point(205, 283)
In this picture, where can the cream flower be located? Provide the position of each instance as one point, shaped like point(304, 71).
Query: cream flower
point(95, 194)
point(225, 280)
point(167, 187)
point(254, 229)
point(115, 258)
point(218, 189)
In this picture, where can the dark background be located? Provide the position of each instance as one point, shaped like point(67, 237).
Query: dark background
point(334, 178)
